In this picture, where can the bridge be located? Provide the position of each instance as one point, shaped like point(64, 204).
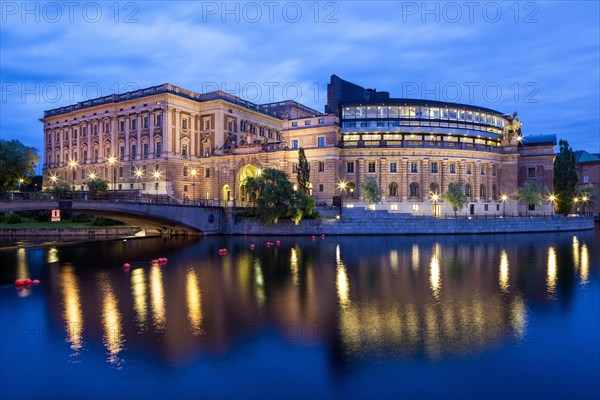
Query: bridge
point(155, 215)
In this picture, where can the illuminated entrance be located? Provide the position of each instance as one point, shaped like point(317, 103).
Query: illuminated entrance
point(247, 171)
point(225, 195)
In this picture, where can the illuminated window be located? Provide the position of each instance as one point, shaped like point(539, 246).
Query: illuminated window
point(394, 207)
point(415, 207)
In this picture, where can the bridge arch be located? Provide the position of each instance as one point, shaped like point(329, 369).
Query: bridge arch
point(247, 171)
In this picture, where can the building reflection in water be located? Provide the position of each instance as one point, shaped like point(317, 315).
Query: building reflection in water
point(112, 321)
point(585, 264)
point(52, 255)
point(22, 271)
point(341, 281)
point(72, 312)
point(503, 275)
point(194, 301)
point(551, 272)
point(294, 264)
point(139, 293)
point(575, 253)
point(157, 297)
point(435, 277)
point(259, 283)
point(470, 299)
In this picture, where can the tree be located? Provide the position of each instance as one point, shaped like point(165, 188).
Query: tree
point(565, 178)
point(371, 191)
point(98, 185)
point(273, 196)
point(455, 196)
point(587, 195)
point(60, 190)
point(303, 175)
point(530, 193)
point(16, 161)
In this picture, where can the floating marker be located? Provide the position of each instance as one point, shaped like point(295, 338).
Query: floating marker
point(35, 281)
point(19, 282)
point(154, 261)
point(323, 236)
point(251, 247)
point(268, 244)
point(126, 266)
point(313, 238)
point(27, 281)
point(278, 243)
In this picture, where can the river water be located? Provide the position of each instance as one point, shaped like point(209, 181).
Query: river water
point(494, 316)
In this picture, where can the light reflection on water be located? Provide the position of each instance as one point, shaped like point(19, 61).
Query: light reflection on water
point(361, 297)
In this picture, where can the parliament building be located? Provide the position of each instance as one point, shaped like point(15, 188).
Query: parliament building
point(166, 140)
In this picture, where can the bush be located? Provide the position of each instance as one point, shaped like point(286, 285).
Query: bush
point(42, 216)
point(102, 221)
point(82, 218)
point(12, 218)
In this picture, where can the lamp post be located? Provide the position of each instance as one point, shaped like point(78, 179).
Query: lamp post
point(342, 185)
point(194, 172)
point(72, 164)
point(435, 197)
point(584, 200)
point(552, 199)
point(112, 160)
point(504, 198)
point(156, 176)
point(138, 175)
point(21, 181)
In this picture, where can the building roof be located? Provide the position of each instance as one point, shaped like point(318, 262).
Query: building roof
point(582, 156)
point(539, 139)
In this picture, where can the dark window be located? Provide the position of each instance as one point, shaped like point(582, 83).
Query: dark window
point(531, 172)
point(393, 189)
point(371, 167)
point(350, 167)
point(434, 167)
point(393, 167)
point(320, 188)
point(414, 190)
point(321, 166)
point(413, 168)
point(452, 168)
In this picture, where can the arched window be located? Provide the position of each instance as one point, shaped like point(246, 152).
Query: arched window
point(482, 192)
point(434, 188)
point(468, 191)
point(414, 189)
point(393, 189)
point(494, 192)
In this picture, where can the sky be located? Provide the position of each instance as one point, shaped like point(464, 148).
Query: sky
point(541, 59)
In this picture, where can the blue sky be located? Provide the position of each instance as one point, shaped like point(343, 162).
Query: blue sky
point(541, 59)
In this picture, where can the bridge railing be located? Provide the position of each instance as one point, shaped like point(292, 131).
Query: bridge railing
point(113, 196)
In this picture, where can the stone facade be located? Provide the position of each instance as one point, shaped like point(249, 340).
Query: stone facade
point(166, 140)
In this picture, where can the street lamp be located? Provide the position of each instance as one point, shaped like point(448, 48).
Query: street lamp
point(156, 176)
point(54, 179)
point(584, 200)
point(504, 198)
point(342, 185)
point(194, 172)
point(138, 175)
point(112, 160)
point(435, 197)
point(21, 181)
point(552, 199)
point(72, 164)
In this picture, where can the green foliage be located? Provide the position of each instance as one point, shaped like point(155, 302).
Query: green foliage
point(43, 216)
point(588, 195)
point(83, 218)
point(371, 191)
point(12, 218)
point(455, 196)
point(98, 185)
point(101, 221)
point(273, 196)
point(565, 178)
point(60, 190)
point(303, 173)
point(16, 161)
point(530, 193)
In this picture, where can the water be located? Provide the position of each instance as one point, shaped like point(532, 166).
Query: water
point(501, 316)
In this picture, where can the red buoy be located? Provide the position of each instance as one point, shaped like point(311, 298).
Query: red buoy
point(19, 282)
point(251, 247)
point(278, 243)
point(126, 266)
point(35, 282)
point(268, 244)
point(155, 261)
point(165, 260)
point(323, 236)
point(313, 238)
point(27, 281)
